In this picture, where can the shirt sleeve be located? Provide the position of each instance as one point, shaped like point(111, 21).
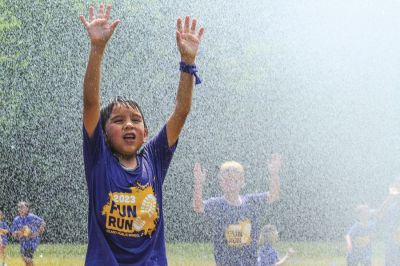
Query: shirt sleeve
point(258, 202)
point(212, 206)
point(160, 153)
point(38, 221)
point(92, 148)
point(15, 225)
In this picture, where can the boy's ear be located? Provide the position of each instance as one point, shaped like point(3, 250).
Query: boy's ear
point(242, 184)
point(146, 134)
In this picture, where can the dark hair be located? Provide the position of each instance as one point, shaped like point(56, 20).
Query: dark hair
point(25, 203)
point(119, 100)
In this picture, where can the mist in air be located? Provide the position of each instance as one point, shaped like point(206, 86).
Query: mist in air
point(316, 81)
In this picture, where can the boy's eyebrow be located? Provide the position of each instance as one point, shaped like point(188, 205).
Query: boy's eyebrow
point(116, 116)
point(121, 116)
point(137, 116)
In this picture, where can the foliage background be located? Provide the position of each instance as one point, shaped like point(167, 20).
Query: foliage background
point(317, 82)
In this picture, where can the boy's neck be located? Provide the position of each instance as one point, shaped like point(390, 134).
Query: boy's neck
point(128, 162)
point(235, 200)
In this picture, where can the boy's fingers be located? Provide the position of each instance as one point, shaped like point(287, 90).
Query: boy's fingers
point(186, 27)
point(100, 14)
point(91, 13)
point(84, 22)
point(115, 24)
point(200, 34)
point(193, 27)
point(179, 24)
point(108, 11)
point(178, 38)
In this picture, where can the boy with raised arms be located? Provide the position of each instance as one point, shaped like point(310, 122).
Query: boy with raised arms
point(235, 218)
point(125, 223)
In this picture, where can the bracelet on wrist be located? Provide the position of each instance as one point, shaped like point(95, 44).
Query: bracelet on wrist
point(191, 69)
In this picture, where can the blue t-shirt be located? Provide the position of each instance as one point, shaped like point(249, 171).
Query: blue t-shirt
point(125, 223)
point(236, 228)
point(4, 237)
point(267, 256)
point(391, 227)
point(361, 240)
point(33, 222)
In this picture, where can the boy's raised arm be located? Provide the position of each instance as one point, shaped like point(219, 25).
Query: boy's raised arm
point(349, 244)
point(188, 43)
point(100, 31)
point(394, 194)
point(274, 166)
point(285, 259)
point(199, 177)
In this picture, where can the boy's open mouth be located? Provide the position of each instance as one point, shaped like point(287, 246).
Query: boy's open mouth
point(130, 136)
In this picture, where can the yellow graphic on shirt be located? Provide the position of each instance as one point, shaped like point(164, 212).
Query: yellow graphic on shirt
point(238, 235)
point(135, 213)
point(361, 241)
point(3, 232)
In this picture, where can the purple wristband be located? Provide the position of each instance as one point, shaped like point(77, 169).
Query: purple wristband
point(191, 69)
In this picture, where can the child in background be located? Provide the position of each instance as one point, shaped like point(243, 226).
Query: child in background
point(126, 224)
point(28, 228)
point(4, 231)
point(235, 219)
point(267, 255)
point(389, 216)
point(358, 238)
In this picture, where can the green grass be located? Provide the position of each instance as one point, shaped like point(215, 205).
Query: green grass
point(194, 254)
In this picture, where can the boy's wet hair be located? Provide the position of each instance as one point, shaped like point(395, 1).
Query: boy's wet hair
point(119, 100)
point(25, 203)
point(231, 167)
point(266, 233)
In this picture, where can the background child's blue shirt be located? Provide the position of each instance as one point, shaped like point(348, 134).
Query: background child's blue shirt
point(33, 222)
point(267, 256)
point(236, 228)
point(4, 238)
point(391, 234)
point(361, 240)
point(125, 223)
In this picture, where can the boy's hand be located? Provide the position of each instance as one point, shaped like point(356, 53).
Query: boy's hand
point(393, 191)
point(199, 174)
point(187, 40)
point(274, 164)
point(291, 252)
point(98, 27)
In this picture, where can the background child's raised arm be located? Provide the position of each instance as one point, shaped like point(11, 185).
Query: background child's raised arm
point(274, 166)
point(349, 244)
point(188, 43)
point(100, 31)
point(199, 177)
point(394, 193)
point(285, 259)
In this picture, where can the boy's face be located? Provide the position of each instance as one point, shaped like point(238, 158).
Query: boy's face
point(125, 130)
point(274, 237)
point(23, 210)
point(231, 182)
